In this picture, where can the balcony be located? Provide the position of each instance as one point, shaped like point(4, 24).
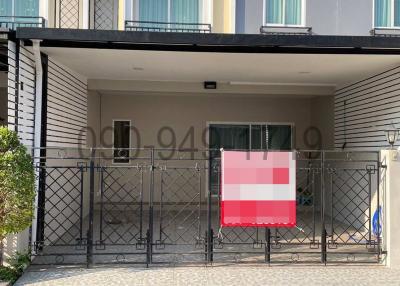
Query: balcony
point(13, 22)
point(149, 26)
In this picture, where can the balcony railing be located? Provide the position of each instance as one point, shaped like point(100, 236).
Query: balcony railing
point(285, 30)
point(13, 22)
point(148, 26)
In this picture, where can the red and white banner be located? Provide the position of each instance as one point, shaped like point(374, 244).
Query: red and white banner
point(258, 189)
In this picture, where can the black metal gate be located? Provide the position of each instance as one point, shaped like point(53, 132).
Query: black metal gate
point(163, 210)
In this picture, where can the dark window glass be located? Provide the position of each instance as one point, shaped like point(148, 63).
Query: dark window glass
point(121, 141)
point(237, 137)
point(279, 137)
point(229, 137)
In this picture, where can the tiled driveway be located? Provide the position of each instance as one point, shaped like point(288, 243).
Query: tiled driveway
point(216, 275)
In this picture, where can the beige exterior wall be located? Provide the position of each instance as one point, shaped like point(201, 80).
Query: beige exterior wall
point(223, 16)
point(322, 117)
point(150, 112)
point(93, 118)
point(390, 182)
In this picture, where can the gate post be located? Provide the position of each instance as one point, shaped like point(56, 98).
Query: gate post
point(323, 230)
point(209, 232)
point(89, 247)
point(268, 245)
point(149, 233)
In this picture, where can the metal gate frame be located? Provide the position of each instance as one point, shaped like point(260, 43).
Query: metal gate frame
point(323, 234)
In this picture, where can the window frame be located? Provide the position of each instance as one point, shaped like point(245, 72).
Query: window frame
point(392, 26)
point(113, 141)
point(303, 16)
point(291, 124)
point(209, 123)
point(202, 13)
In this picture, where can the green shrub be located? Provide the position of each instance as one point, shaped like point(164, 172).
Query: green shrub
point(8, 274)
point(18, 263)
point(17, 179)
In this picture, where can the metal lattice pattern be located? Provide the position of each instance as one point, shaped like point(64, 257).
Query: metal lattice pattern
point(120, 211)
point(179, 206)
point(351, 199)
point(121, 205)
point(68, 14)
point(307, 210)
point(63, 212)
point(104, 14)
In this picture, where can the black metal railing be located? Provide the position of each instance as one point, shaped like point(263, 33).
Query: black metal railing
point(159, 208)
point(13, 22)
point(150, 26)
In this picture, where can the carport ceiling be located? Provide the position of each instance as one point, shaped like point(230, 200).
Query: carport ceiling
point(307, 69)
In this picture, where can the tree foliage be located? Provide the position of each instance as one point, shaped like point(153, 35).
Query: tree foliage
point(17, 180)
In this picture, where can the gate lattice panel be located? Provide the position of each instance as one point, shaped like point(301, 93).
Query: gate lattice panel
point(60, 219)
point(179, 218)
point(121, 201)
point(120, 214)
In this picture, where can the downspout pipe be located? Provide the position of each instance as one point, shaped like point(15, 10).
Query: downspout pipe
point(38, 94)
point(38, 130)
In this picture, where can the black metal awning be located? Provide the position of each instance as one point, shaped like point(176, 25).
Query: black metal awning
point(212, 42)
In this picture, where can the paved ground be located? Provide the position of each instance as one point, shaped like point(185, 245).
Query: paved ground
point(216, 275)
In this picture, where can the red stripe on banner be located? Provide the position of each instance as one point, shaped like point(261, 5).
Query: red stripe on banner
point(256, 175)
point(258, 213)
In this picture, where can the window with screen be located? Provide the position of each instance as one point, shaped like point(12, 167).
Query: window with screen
point(121, 141)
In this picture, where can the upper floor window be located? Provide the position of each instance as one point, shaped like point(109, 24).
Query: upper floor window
point(284, 12)
point(19, 8)
point(180, 11)
point(387, 13)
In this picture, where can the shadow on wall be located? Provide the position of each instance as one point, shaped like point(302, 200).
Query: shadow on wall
point(3, 105)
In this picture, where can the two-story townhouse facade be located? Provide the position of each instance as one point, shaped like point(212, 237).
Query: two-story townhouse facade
point(125, 105)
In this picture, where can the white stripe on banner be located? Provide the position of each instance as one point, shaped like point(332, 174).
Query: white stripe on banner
point(258, 192)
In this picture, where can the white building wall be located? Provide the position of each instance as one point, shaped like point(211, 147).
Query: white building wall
point(20, 118)
point(21, 103)
point(66, 106)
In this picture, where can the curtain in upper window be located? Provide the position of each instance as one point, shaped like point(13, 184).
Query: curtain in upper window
point(274, 11)
point(181, 11)
point(26, 8)
point(185, 11)
point(153, 10)
point(19, 7)
point(383, 11)
point(397, 13)
point(6, 8)
point(283, 12)
point(293, 12)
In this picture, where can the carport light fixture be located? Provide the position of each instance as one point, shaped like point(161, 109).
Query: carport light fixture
point(391, 136)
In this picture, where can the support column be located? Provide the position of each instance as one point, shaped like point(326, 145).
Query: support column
point(390, 201)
